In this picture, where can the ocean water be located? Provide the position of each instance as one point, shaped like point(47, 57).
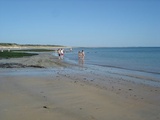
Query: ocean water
point(139, 60)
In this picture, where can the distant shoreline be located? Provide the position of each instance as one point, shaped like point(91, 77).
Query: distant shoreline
point(14, 46)
point(30, 46)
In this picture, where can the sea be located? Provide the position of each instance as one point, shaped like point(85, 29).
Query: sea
point(137, 62)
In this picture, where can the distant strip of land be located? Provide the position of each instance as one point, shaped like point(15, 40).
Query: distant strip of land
point(14, 46)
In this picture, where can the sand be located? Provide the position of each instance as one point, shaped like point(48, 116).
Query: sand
point(74, 93)
point(46, 60)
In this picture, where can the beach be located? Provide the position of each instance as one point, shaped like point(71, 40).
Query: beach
point(63, 91)
point(42, 60)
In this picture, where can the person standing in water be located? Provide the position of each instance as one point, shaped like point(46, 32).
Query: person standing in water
point(59, 53)
point(83, 54)
point(79, 55)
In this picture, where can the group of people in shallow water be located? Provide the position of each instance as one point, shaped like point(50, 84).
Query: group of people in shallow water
point(81, 55)
point(60, 53)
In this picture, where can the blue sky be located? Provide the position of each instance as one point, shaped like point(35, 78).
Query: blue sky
point(87, 23)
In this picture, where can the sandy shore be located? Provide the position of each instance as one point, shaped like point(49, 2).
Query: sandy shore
point(74, 94)
point(65, 95)
point(46, 60)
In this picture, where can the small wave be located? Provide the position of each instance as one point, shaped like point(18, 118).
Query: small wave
point(128, 69)
point(129, 75)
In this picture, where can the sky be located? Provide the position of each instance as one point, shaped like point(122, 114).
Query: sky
point(81, 23)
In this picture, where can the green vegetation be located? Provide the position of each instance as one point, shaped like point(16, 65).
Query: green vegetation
point(31, 45)
point(6, 54)
point(36, 45)
point(35, 50)
point(8, 44)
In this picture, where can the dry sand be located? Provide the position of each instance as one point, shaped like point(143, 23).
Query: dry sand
point(74, 94)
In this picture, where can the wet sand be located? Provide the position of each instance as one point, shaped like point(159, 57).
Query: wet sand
point(42, 60)
point(74, 94)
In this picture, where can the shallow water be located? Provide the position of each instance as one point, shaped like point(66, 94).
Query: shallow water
point(138, 59)
point(138, 64)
